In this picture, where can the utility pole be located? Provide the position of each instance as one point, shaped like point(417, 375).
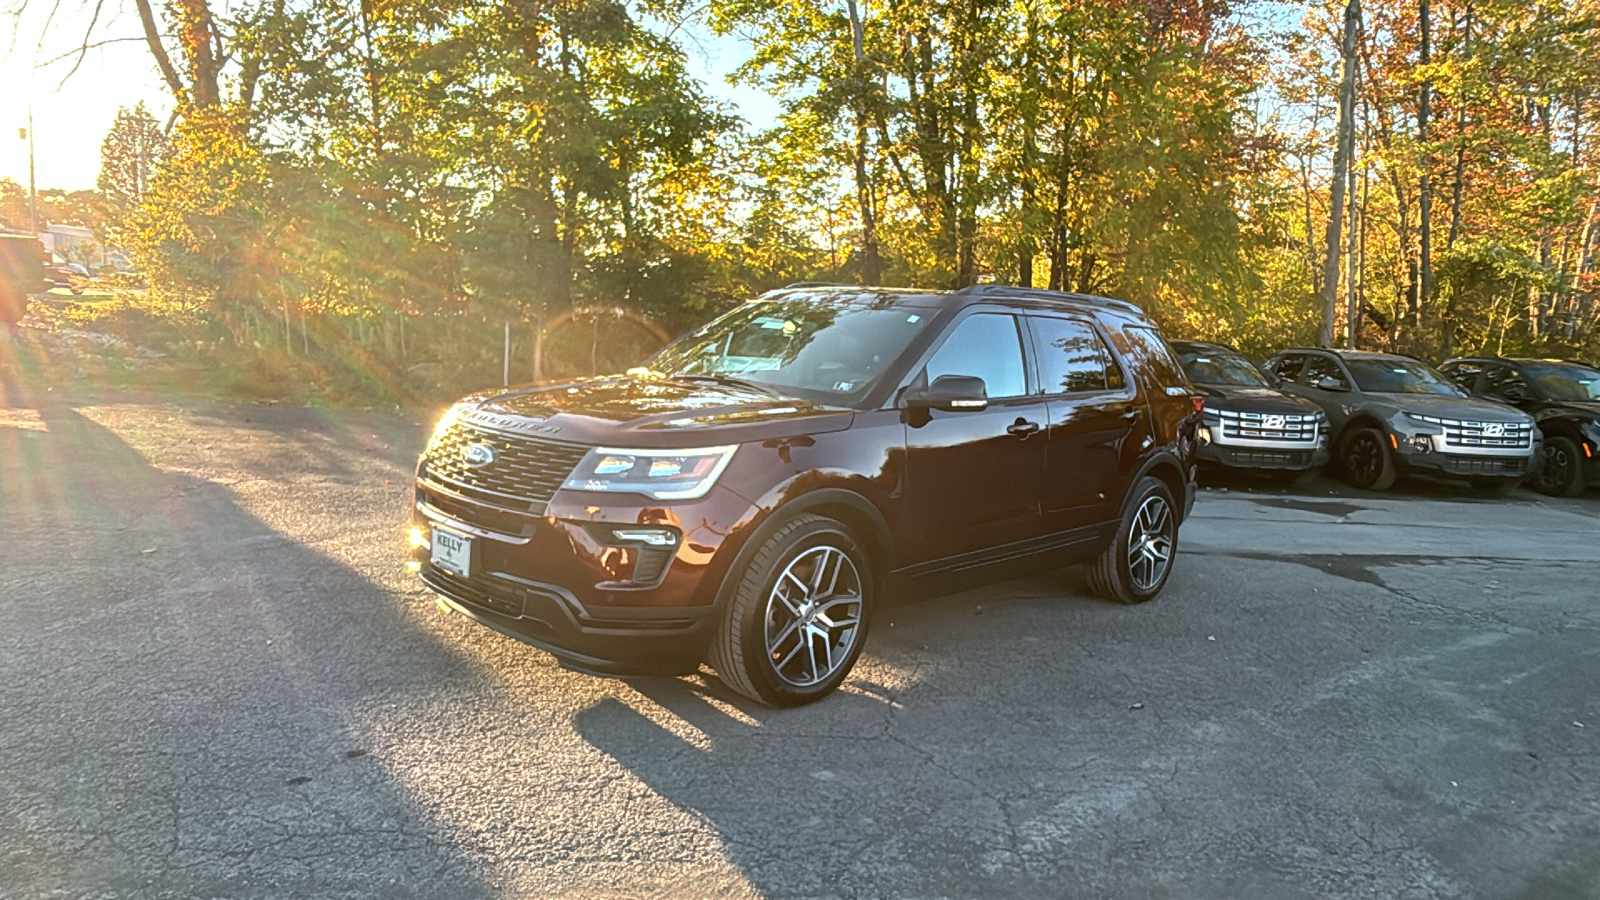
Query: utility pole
point(33, 192)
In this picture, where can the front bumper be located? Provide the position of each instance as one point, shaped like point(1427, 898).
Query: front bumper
point(1467, 465)
point(562, 581)
point(1244, 457)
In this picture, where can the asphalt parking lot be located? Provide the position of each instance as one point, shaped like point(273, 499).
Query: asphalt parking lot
point(217, 681)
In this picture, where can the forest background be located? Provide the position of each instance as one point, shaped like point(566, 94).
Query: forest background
point(386, 194)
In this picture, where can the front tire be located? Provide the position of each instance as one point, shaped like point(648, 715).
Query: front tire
point(798, 614)
point(1366, 461)
point(1135, 566)
point(1560, 470)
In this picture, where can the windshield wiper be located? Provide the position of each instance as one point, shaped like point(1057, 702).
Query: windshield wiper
point(726, 381)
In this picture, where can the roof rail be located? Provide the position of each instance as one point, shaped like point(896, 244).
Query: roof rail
point(1020, 293)
point(811, 284)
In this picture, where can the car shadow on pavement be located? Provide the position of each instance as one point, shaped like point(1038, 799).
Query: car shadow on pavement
point(188, 693)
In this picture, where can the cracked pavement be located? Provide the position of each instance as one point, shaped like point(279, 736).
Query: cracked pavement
point(217, 680)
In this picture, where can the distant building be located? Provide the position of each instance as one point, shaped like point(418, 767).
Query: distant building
point(74, 243)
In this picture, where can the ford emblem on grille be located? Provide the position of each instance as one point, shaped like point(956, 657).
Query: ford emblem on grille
point(478, 455)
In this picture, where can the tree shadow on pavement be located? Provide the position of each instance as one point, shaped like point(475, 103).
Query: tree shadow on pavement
point(187, 693)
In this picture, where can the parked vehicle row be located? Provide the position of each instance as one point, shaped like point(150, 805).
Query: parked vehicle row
point(747, 497)
point(1377, 416)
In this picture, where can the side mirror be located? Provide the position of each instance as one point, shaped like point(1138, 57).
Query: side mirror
point(950, 393)
point(1329, 383)
point(1273, 378)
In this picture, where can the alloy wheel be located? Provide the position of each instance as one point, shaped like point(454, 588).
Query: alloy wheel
point(1363, 460)
point(1150, 542)
point(1555, 471)
point(813, 616)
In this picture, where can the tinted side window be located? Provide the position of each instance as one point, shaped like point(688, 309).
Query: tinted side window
point(1288, 367)
point(1464, 373)
point(1504, 383)
point(1150, 352)
point(1072, 358)
point(1318, 368)
point(986, 345)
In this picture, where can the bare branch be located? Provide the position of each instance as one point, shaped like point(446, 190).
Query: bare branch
point(152, 36)
point(95, 45)
point(83, 47)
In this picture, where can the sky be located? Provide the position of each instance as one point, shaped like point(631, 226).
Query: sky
point(70, 119)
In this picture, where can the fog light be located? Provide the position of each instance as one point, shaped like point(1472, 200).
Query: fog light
point(413, 566)
point(654, 537)
point(1422, 443)
point(1205, 435)
point(418, 539)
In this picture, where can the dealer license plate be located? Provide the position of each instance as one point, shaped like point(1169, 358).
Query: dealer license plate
point(452, 552)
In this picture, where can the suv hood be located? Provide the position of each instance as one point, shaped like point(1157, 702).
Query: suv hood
point(1253, 399)
point(1577, 409)
point(1446, 407)
point(644, 412)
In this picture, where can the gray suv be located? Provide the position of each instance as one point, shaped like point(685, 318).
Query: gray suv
point(1392, 415)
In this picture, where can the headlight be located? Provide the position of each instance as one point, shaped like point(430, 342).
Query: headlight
point(658, 474)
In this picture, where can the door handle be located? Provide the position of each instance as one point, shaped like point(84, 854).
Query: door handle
point(1022, 428)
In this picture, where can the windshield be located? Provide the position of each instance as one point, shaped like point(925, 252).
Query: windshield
point(1220, 368)
point(832, 348)
point(1564, 381)
point(1398, 376)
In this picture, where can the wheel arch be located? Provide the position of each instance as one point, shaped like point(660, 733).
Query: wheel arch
point(1359, 420)
point(1167, 468)
point(853, 511)
point(847, 507)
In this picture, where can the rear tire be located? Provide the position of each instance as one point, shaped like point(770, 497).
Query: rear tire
point(798, 614)
point(1365, 460)
point(1560, 470)
point(1135, 566)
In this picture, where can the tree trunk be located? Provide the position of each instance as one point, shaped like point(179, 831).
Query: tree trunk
point(1458, 181)
point(158, 49)
point(197, 35)
point(1341, 170)
point(1425, 185)
point(871, 268)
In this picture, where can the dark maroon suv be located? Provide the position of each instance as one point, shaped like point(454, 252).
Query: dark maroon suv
point(750, 496)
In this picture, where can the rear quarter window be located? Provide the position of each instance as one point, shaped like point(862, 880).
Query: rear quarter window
point(1150, 354)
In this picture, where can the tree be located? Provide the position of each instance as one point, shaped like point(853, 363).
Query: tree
point(133, 149)
point(1341, 173)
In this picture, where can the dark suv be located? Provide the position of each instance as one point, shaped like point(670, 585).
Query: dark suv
point(1392, 415)
point(1564, 398)
point(748, 497)
point(1249, 424)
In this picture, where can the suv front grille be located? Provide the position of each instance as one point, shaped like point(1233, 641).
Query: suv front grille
point(1468, 434)
point(1481, 434)
point(525, 474)
point(1249, 426)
